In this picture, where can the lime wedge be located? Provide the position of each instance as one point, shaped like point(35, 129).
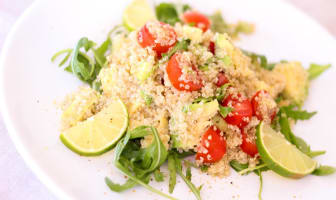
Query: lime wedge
point(281, 156)
point(99, 133)
point(137, 14)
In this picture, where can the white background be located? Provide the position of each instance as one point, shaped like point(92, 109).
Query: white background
point(16, 180)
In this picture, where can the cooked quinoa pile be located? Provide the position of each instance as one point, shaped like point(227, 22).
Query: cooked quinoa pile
point(138, 76)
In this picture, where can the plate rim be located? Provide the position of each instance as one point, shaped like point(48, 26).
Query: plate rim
point(11, 130)
point(29, 160)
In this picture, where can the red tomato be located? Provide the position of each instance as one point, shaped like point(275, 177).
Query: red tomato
point(201, 21)
point(212, 47)
point(158, 35)
point(174, 73)
point(242, 111)
point(221, 79)
point(248, 147)
point(271, 107)
point(213, 146)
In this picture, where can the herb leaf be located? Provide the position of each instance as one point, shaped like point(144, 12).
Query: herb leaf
point(191, 186)
point(66, 58)
point(324, 170)
point(218, 23)
point(158, 176)
point(224, 111)
point(285, 128)
point(261, 59)
point(100, 52)
point(204, 168)
point(188, 173)
point(181, 45)
point(172, 172)
point(260, 184)
point(147, 98)
point(238, 166)
point(297, 114)
point(289, 135)
point(167, 13)
point(313, 154)
point(138, 163)
point(118, 187)
point(222, 91)
point(316, 70)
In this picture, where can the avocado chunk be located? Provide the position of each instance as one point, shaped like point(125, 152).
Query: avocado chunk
point(143, 71)
point(203, 113)
point(297, 82)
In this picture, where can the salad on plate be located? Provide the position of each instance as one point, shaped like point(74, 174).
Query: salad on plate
point(168, 84)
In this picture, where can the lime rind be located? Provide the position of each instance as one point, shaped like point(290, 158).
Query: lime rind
point(97, 151)
point(298, 164)
point(137, 14)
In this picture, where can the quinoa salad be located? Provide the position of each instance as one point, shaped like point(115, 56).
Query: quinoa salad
point(171, 84)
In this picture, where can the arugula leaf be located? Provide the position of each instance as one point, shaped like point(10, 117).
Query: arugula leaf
point(182, 154)
point(167, 13)
point(66, 58)
point(148, 99)
point(261, 166)
point(302, 145)
point(181, 45)
point(82, 65)
point(158, 176)
point(258, 172)
point(285, 128)
point(324, 170)
point(118, 187)
point(313, 154)
point(96, 85)
point(297, 114)
point(100, 52)
point(316, 70)
point(188, 173)
point(191, 186)
point(172, 172)
point(238, 166)
point(218, 23)
point(289, 135)
point(261, 59)
point(224, 111)
point(204, 168)
point(138, 163)
point(186, 7)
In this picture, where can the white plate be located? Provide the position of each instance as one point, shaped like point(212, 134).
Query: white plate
point(30, 83)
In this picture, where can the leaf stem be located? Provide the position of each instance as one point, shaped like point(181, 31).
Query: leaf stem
point(251, 169)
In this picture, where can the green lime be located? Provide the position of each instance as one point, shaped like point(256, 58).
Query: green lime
point(280, 155)
point(99, 133)
point(137, 14)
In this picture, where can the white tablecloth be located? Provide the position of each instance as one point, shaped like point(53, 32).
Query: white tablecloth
point(16, 179)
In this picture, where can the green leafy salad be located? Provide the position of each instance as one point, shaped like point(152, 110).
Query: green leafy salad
point(260, 120)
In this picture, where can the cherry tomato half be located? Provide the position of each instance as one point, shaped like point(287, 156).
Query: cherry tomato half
point(213, 146)
point(248, 146)
point(174, 72)
point(158, 35)
point(221, 79)
point(242, 110)
point(268, 110)
point(201, 21)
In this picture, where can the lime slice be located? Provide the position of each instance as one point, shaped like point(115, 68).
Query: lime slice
point(281, 156)
point(99, 133)
point(137, 14)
